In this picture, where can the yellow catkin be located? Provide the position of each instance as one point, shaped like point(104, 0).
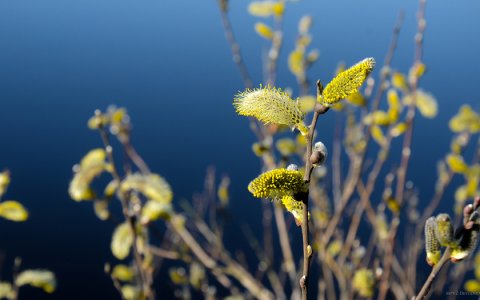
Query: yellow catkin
point(264, 30)
point(444, 230)
point(347, 82)
point(277, 183)
point(456, 163)
point(364, 282)
point(465, 120)
point(295, 62)
point(262, 8)
point(432, 245)
point(399, 81)
point(294, 207)
point(270, 105)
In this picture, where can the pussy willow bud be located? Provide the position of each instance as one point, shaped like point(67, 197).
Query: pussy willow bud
point(432, 246)
point(444, 230)
point(319, 154)
point(292, 167)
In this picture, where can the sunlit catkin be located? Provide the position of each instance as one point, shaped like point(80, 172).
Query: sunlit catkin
point(347, 82)
point(277, 183)
point(270, 105)
point(444, 230)
point(432, 245)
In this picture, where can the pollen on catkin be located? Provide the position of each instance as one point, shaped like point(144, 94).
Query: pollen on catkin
point(277, 183)
point(270, 105)
point(347, 82)
point(294, 207)
point(444, 230)
point(432, 245)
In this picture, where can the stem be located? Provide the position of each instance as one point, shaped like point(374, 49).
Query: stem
point(431, 278)
point(235, 47)
point(319, 109)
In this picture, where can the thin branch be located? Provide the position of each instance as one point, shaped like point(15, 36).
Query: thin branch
point(406, 152)
point(235, 48)
point(431, 278)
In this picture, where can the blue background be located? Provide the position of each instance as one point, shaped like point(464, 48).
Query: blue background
point(167, 61)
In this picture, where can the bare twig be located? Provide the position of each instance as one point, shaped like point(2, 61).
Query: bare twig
point(431, 278)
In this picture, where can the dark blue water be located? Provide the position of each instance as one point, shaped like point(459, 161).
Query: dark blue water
point(169, 64)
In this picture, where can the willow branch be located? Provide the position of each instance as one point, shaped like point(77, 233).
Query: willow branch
point(435, 271)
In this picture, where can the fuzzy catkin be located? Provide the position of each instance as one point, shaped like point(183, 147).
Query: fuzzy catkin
point(347, 82)
point(432, 245)
point(277, 183)
point(444, 230)
point(270, 105)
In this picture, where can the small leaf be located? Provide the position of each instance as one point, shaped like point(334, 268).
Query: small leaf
point(122, 241)
point(13, 211)
point(43, 279)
